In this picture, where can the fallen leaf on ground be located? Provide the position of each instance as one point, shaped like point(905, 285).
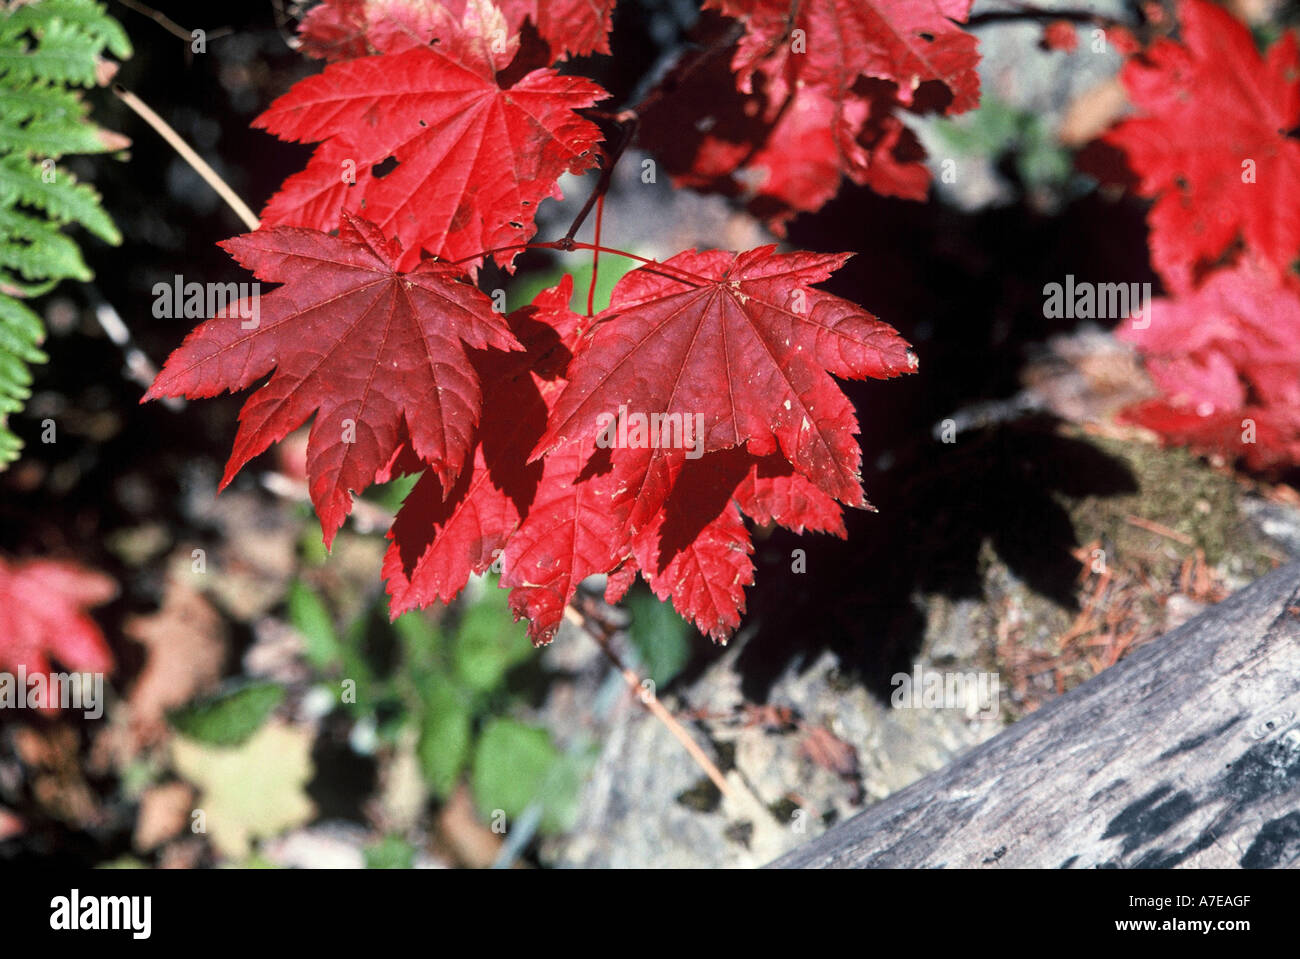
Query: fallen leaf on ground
point(164, 812)
point(251, 792)
point(186, 646)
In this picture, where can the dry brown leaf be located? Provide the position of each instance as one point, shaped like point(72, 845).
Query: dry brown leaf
point(164, 812)
point(830, 752)
point(469, 840)
point(186, 645)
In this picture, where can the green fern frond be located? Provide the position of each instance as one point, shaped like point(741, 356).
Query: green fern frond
point(22, 102)
point(63, 54)
point(46, 48)
point(37, 250)
point(85, 15)
point(53, 137)
point(61, 197)
point(20, 333)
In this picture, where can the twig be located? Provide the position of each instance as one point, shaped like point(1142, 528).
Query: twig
point(1027, 11)
point(170, 25)
point(188, 155)
point(164, 21)
point(627, 121)
point(1151, 526)
point(595, 258)
point(652, 703)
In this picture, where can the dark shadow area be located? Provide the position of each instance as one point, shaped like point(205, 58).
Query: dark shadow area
point(937, 506)
point(967, 292)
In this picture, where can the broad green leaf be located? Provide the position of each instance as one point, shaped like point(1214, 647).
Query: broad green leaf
point(516, 764)
point(661, 637)
point(310, 617)
point(444, 742)
point(229, 718)
point(489, 642)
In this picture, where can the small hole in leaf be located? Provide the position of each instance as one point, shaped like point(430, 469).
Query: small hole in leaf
point(381, 170)
point(928, 37)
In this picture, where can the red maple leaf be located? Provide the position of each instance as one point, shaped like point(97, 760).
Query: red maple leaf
point(772, 492)
point(694, 552)
point(1213, 144)
point(818, 139)
point(570, 26)
point(473, 159)
point(739, 344)
point(711, 136)
point(696, 549)
point(345, 29)
point(442, 536)
point(377, 354)
point(43, 616)
point(388, 350)
point(572, 529)
point(1224, 355)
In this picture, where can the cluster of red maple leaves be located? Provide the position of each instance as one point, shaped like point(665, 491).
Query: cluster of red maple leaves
point(1214, 145)
point(379, 332)
point(793, 106)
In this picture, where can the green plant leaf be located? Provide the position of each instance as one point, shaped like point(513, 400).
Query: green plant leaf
point(511, 765)
point(488, 642)
point(445, 735)
point(661, 637)
point(229, 718)
point(311, 618)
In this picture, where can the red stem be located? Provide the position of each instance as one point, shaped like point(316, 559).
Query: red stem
point(595, 256)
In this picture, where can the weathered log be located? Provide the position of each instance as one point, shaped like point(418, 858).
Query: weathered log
point(1187, 753)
